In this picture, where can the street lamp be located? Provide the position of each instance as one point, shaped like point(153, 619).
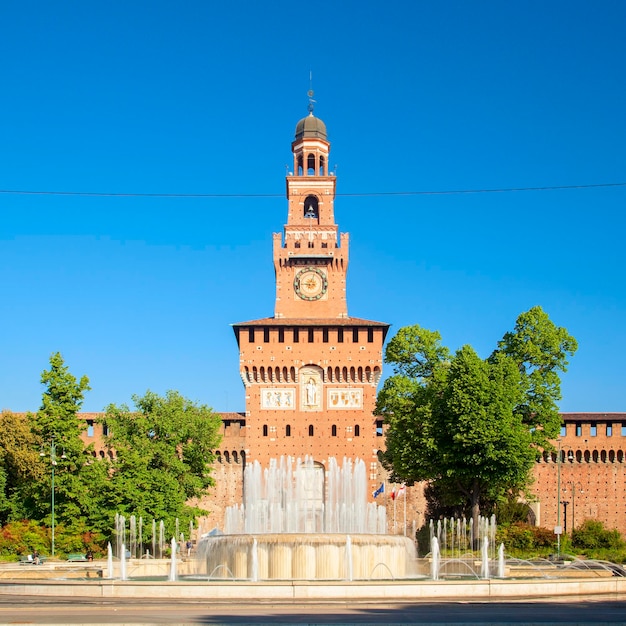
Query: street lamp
point(53, 462)
point(573, 486)
point(558, 528)
point(565, 503)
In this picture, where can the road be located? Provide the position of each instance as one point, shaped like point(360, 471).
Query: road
point(36, 610)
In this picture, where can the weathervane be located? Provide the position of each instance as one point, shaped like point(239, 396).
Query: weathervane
point(310, 94)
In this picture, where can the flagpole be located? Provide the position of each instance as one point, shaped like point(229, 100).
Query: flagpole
point(404, 494)
point(395, 527)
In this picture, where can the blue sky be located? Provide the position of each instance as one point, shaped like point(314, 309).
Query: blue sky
point(193, 97)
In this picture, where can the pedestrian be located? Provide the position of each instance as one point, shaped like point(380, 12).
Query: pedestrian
point(189, 545)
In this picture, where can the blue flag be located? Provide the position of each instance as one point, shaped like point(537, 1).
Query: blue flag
point(380, 490)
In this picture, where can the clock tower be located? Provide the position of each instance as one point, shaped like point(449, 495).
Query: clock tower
point(312, 260)
point(311, 371)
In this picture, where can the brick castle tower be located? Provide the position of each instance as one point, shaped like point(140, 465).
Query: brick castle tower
point(311, 371)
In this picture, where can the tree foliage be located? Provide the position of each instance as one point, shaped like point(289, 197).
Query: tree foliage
point(162, 456)
point(541, 350)
point(472, 425)
point(57, 430)
point(19, 463)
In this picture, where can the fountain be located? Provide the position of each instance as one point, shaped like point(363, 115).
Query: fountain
point(299, 522)
point(434, 558)
point(173, 575)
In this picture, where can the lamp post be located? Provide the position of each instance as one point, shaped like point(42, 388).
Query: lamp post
point(558, 528)
point(565, 503)
point(53, 462)
point(573, 485)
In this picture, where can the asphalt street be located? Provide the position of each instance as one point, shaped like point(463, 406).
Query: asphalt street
point(34, 610)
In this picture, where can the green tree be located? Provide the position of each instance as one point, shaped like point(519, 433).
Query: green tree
point(471, 425)
point(58, 429)
point(19, 464)
point(541, 350)
point(162, 456)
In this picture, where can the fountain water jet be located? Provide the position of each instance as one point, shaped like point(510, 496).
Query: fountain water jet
point(484, 570)
point(434, 558)
point(109, 560)
point(301, 522)
point(123, 575)
point(172, 576)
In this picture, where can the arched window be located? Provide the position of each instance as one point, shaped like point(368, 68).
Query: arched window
point(311, 208)
point(334, 430)
point(227, 456)
point(235, 456)
point(300, 171)
point(310, 165)
point(311, 430)
point(322, 166)
point(357, 430)
point(288, 431)
point(265, 430)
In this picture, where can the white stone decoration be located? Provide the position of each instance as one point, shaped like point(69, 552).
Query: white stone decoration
point(345, 399)
point(310, 388)
point(278, 398)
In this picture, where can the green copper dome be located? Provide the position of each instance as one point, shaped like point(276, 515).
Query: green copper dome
point(310, 126)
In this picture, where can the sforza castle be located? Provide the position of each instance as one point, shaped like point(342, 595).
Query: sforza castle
point(310, 374)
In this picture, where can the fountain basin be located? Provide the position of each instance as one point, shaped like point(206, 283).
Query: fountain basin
point(315, 556)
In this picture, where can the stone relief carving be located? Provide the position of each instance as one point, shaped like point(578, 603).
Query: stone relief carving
point(345, 398)
point(274, 398)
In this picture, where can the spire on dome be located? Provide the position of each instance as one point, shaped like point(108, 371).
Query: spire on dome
point(311, 102)
point(310, 94)
point(311, 126)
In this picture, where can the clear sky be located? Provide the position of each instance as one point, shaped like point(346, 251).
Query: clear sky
point(202, 97)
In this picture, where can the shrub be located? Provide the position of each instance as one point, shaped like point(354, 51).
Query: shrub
point(592, 535)
point(521, 537)
point(21, 538)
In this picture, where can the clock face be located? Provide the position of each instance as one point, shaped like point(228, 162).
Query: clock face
point(310, 283)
